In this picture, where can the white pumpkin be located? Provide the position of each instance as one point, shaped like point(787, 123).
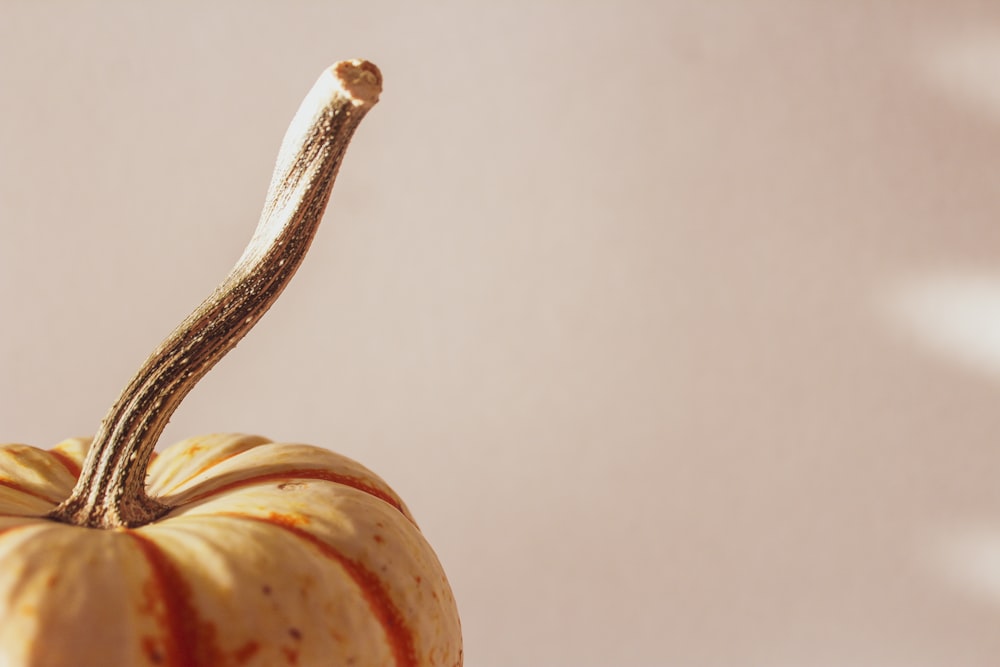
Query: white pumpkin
point(224, 550)
point(274, 554)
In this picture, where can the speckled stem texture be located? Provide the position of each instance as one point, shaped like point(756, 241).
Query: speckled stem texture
point(111, 491)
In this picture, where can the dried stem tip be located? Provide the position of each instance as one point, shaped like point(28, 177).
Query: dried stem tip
point(360, 80)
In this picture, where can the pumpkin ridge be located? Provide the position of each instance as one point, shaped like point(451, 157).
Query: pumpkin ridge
point(382, 607)
point(304, 473)
point(246, 444)
point(187, 641)
point(187, 479)
point(208, 466)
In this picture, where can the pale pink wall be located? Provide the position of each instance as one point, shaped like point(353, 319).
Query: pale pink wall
point(676, 323)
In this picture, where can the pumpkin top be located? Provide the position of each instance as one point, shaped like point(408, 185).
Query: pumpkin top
point(111, 491)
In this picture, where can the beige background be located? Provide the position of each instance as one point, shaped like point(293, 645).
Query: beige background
point(676, 323)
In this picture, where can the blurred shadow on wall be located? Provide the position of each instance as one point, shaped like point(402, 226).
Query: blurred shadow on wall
point(954, 314)
point(968, 558)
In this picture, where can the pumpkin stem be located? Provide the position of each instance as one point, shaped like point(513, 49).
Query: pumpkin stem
point(111, 491)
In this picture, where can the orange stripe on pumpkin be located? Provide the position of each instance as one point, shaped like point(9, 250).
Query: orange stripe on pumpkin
point(303, 473)
point(67, 462)
point(399, 635)
point(211, 464)
point(26, 491)
point(186, 640)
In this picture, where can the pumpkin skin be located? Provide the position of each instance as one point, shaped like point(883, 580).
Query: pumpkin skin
point(274, 554)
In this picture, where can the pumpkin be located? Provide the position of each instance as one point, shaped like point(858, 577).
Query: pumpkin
point(222, 550)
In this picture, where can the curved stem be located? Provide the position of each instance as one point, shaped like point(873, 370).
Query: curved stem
point(111, 491)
